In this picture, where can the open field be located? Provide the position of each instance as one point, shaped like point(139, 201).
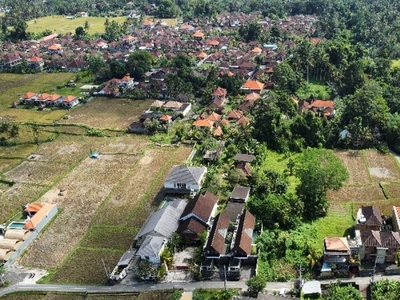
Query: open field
point(15, 85)
point(60, 24)
point(122, 214)
point(108, 113)
point(86, 187)
point(356, 166)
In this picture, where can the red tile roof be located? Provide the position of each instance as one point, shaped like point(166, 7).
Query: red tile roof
point(38, 217)
point(203, 123)
point(28, 95)
point(253, 85)
point(323, 104)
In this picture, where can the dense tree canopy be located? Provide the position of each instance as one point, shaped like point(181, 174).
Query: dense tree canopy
point(319, 170)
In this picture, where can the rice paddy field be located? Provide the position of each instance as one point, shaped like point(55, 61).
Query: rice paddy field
point(104, 201)
point(62, 25)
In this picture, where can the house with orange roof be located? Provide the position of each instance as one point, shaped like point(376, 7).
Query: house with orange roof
point(253, 86)
point(201, 55)
point(147, 24)
point(53, 100)
point(203, 123)
point(243, 121)
point(128, 40)
point(28, 98)
point(235, 114)
point(213, 43)
point(336, 250)
point(323, 107)
point(198, 35)
point(214, 117)
point(218, 98)
point(126, 81)
point(218, 131)
point(41, 100)
point(256, 50)
point(54, 49)
point(70, 101)
point(35, 62)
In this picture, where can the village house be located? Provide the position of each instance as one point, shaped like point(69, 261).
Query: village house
point(197, 216)
point(185, 179)
point(35, 63)
point(158, 228)
point(252, 86)
point(369, 218)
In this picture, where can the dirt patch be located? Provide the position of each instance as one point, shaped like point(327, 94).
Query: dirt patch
point(145, 160)
point(355, 164)
point(382, 166)
point(356, 194)
point(380, 173)
point(36, 172)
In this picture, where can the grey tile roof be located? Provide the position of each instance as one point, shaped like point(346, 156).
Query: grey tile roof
point(240, 192)
point(163, 222)
point(151, 246)
point(184, 174)
point(126, 258)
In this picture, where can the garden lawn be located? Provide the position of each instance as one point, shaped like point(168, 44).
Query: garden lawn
point(335, 224)
point(62, 25)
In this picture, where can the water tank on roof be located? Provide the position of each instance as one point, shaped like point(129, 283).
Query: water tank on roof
point(362, 219)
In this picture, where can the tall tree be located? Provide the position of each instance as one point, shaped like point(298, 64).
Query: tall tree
point(319, 170)
point(140, 62)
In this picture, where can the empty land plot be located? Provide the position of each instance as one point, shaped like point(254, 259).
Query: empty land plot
point(85, 266)
point(19, 151)
point(108, 113)
point(382, 166)
point(86, 187)
point(8, 164)
point(356, 193)
point(142, 185)
point(392, 189)
point(36, 172)
point(355, 164)
point(19, 194)
point(62, 25)
point(110, 237)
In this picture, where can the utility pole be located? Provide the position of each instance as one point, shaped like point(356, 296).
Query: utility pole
point(301, 269)
point(225, 277)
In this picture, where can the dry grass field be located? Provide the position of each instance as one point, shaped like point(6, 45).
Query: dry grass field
point(122, 214)
point(61, 24)
point(107, 113)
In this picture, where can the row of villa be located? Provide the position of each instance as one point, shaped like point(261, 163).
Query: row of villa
point(49, 100)
point(229, 234)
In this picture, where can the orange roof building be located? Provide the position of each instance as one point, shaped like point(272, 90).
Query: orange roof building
point(256, 50)
point(253, 86)
point(198, 35)
point(203, 123)
point(28, 95)
point(40, 215)
point(214, 117)
point(69, 99)
point(218, 131)
point(54, 47)
point(323, 104)
point(201, 55)
point(213, 43)
point(43, 97)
